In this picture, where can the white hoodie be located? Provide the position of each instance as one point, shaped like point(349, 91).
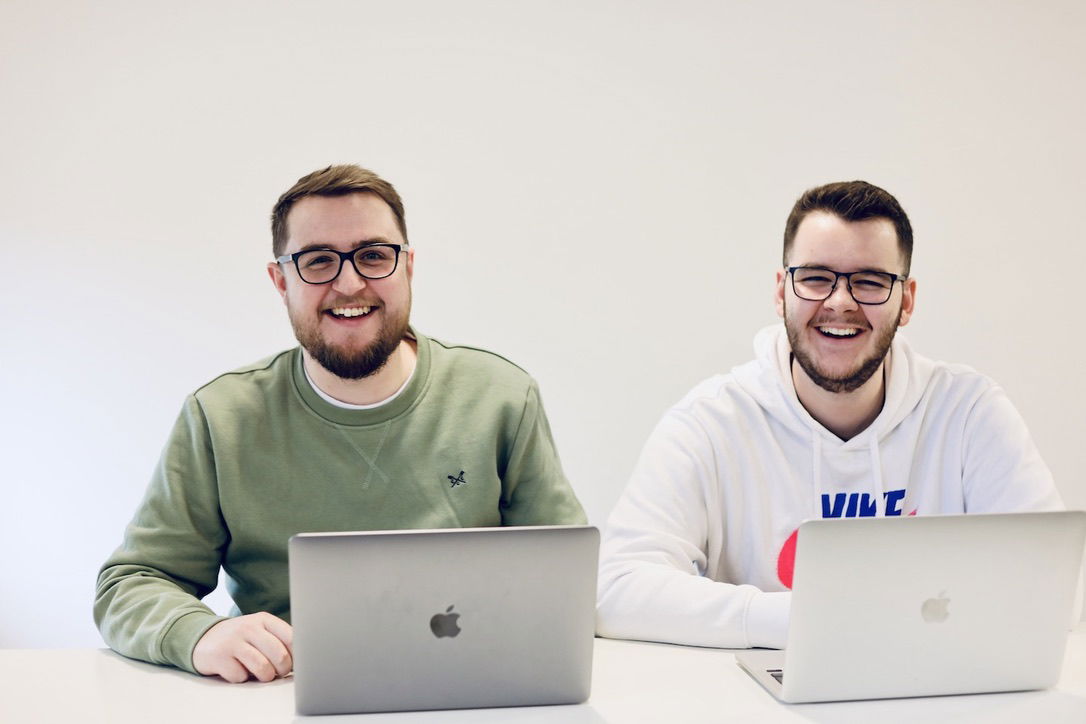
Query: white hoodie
point(699, 548)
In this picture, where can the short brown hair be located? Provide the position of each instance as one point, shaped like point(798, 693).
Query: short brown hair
point(852, 201)
point(333, 181)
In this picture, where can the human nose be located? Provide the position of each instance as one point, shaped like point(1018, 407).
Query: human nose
point(349, 280)
point(841, 296)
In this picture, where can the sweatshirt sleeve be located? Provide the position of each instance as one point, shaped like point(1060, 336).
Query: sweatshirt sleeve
point(535, 490)
point(147, 604)
point(653, 584)
point(1002, 469)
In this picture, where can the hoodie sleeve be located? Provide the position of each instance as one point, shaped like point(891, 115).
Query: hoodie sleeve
point(653, 556)
point(1002, 469)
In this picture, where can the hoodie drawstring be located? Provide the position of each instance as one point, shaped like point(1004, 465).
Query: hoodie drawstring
point(816, 473)
point(876, 472)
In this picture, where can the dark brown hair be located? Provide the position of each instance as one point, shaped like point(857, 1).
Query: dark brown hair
point(852, 201)
point(333, 181)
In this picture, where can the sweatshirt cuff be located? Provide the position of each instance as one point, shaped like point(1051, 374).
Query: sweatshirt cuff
point(767, 619)
point(181, 637)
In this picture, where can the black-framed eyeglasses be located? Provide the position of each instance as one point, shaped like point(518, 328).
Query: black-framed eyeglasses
point(321, 266)
point(815, 284)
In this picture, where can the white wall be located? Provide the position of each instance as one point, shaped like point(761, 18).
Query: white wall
point(595, 189)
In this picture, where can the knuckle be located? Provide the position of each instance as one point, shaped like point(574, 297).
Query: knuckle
point(265, 671)
point(234, 674)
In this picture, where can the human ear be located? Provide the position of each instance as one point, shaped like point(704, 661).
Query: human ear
point(778, 293)
point(908, 301)
point(278, 279)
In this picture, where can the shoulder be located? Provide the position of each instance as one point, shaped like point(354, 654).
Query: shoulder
point(709, 392)
point(714, 410)
point(923, 375)
point(470, 356)
point(956, 382)
point(952, 395)
point(723, 392)
point(253, 381)
point(468, 366)
point(919, 384)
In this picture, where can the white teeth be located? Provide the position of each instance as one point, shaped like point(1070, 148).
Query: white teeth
point(839, 331)
point(351, 311)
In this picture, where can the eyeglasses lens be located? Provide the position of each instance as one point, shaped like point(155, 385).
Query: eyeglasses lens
point(373, 262)
point(866, 287)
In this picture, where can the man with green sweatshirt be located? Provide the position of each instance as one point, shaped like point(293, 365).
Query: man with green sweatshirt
point(367, 425)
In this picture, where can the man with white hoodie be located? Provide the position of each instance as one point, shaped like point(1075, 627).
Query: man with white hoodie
point(836, 417)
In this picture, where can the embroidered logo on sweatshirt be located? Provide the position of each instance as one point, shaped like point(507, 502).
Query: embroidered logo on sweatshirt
point(458, 480)
point(839, 505)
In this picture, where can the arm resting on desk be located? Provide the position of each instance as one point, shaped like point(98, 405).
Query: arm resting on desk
point(147, 602)
point(653, 557)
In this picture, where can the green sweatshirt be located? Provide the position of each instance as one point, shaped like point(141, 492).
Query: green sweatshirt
point(257, 456)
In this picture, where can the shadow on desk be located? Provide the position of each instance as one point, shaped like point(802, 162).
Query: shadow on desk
point(190, 680)
point(1036, 707)
point(216, 697)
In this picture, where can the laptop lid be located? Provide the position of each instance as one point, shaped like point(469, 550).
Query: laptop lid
point(921, 606)
point(442, 619)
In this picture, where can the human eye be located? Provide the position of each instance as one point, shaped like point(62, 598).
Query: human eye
point(813, 276)
point(317, 259)
point(871, 280)
point(373, 255)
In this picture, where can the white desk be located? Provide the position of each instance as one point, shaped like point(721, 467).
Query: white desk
point(632, 682)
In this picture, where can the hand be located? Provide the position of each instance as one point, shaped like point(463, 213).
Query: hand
point(254, 646)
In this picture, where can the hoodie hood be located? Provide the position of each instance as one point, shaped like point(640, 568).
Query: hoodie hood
point(768, 379)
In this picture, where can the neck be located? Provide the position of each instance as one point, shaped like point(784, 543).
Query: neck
point(367, 390)
point(845, 414)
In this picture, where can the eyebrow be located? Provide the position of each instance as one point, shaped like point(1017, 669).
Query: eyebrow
point(367, 242)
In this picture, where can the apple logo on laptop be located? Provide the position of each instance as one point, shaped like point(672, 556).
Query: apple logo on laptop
point(444, 624)
point(934, 610)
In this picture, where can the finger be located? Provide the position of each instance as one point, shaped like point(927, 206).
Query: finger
point(230, 669)
point(273, 650)
point(281, 630)
point(255, 662)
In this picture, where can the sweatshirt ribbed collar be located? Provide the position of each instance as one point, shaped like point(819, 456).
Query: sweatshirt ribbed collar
point(360, 418)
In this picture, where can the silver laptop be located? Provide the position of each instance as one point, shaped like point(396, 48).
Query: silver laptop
point(442, 619)
point(923, 606)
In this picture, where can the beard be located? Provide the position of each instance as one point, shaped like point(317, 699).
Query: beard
point(851, 380)
point(348, 363)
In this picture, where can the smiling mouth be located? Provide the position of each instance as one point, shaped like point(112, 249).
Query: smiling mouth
point(838, 332)
point(349, 312)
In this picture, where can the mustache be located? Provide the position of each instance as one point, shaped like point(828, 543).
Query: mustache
point(349, 301)
point(830, 321)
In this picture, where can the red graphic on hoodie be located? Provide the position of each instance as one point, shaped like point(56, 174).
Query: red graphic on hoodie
point(786, 561)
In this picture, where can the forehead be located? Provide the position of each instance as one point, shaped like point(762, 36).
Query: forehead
point(824, 239)
point(341, 221)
